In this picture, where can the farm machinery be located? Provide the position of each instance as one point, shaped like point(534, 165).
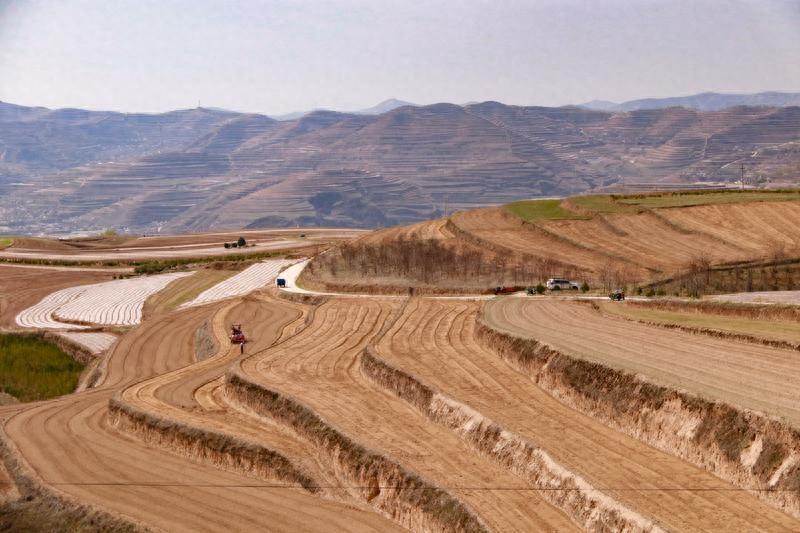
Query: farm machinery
point(237, 336)
point(617, 296)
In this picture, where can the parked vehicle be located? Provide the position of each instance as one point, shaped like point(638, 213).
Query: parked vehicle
point(505, 290)
point(281, 282)
point(617, 296)
point(556, 284)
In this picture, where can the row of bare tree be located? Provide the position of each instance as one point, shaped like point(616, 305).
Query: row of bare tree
point(430, 261)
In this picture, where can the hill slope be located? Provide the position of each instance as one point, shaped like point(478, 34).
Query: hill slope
point(605, 240)
point(203, 169)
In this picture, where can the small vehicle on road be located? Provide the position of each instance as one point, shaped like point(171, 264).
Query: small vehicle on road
point(617, 296)
point(281, 283)
point(557, 284)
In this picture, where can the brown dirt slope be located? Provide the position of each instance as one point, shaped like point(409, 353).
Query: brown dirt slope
point(191, 399)
point(659, 241)
point(320, 368)
point(130, 248)
point(434, 341)
point(708, 367)
point(598, 239)
point(117, 472)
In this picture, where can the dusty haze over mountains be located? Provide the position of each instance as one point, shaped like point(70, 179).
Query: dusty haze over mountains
point(198, 169)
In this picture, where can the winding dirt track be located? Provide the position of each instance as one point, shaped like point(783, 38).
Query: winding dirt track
point(434, 340)
point(750, 376)
point(70, 445)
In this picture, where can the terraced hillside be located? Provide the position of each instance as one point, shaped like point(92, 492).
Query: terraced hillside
point(117, 302)
point(605, 240)
point(133, 249)
point(24, 286)
point(712, 397)
point(221, 170)
point(348, 413)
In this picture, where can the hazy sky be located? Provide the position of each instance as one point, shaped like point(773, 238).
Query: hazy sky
point(276, 56)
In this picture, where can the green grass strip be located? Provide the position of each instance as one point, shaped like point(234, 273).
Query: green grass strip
point(693, 198)
point(541, 210)
point(33, 369)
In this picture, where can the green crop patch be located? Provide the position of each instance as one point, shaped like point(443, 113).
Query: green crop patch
point(33, 369)
point(603, 204)
point(694, 198)
point(541, 210)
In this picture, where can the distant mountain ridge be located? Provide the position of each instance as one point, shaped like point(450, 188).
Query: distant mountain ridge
point(382, 107)
point(702, 102)
point(200, 169)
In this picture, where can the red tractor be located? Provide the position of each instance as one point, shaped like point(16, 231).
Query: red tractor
point(237, 337)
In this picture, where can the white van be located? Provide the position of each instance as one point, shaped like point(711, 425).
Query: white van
point(561, 284)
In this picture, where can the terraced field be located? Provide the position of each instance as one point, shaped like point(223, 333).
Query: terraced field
point(403, 413)
point(126, 248)
point(715, 368)
point(211, 169)
point(434, 342)
point(606, 240)
point(113, 472)
point(22, 287)
point(752, 322)
point(765, 297)
point(117, 302)
point(250, 279)
point(656, 241)
point(139, 254)
point(95, 342)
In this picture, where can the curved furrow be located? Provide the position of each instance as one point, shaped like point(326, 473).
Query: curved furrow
point(170, 398)
point(755, 377)
point(113, 471)
point(434, 341)
point(310, 381)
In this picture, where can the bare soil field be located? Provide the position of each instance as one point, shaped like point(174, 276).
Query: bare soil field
point(128, 248)
point(761, 297)
point(319, 367)
point(688, 317)
point(752, 377)
point(21, 288)
point(384, 413)
point(432, 341)
point(435, 342)
point(605, 240)
point(660, 240)
point(116, 472)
